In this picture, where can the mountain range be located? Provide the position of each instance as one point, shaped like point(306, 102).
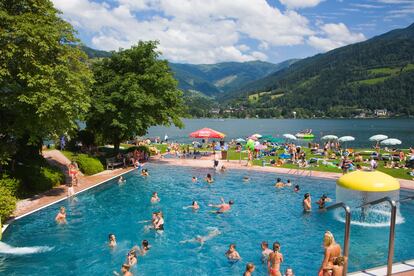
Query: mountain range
point(354, 80)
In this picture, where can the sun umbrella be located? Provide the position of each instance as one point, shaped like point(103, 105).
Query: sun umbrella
point(391, 142)
point(329, 137)
point(378, 137)
point(207, 133)
point(346, 139)
point(289, 136)
point(254, 138)
point(240, 140)
point(257, 135)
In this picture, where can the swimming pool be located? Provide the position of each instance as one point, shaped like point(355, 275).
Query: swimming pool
point(261, 212)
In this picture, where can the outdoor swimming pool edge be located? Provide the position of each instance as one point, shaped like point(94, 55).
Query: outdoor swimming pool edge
point(8, 222)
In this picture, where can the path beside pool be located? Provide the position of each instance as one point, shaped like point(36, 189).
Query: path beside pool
point(207, 162)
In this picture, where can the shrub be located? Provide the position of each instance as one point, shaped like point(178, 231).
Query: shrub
point(11, 184)
point(88, 165)
point(38, 177)
point(7, 203)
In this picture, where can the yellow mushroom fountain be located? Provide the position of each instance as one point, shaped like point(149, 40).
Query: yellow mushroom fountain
point(360, 187)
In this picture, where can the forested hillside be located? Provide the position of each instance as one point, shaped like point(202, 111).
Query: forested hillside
point(352, 80)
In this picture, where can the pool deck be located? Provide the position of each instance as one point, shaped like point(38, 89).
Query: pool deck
point(405, 268)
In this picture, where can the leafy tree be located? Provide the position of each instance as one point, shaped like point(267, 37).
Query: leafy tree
point(133, 91)
point(43, 78)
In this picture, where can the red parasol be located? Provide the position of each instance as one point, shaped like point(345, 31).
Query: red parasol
point(207, 133)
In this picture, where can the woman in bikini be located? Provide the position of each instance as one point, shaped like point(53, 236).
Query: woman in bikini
point(332, 251)
point(274, 261)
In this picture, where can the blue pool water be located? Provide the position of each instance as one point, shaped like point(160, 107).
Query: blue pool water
point(261, 212)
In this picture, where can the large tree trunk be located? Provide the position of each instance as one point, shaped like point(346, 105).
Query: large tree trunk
point(117, 143)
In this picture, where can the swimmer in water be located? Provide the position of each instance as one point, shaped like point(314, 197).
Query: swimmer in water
point(61, 216)
point(289, 272)
point(194, 206)
point(155, 198)
point(144, 247)
point(202, 239)
point(321, 202)
point(265, 251)
point(124, 270)
point(223, 168)
point(274, 261)
point(144, 172)
point(246, 179)
point(279, 183)
point(223, 207)
point(232, 253)
point(249, 269)
point(307, 202)
point(209, 179)
point(132, 256)
point(288, 183)
point(159, 222)
point(194, 179)
point(111, 240)
point(296, 189)
point(121, 180)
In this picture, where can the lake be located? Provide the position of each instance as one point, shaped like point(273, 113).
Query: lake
point(361, 129)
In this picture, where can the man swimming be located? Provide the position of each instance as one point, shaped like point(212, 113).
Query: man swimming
point(194, 206)
point(124, 270)
point(209, 179)
point(307, 202)
point(232, 253)
point(194, 179)
point(121, 180)
point(155, 198)
point(265, 251)
point(223, 207)
point(296, 189)
point(111, 240)
point(61, 216)
point(279, 183)
point(202, 239)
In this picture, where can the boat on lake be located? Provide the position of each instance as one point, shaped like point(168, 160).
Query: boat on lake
point(305, 134)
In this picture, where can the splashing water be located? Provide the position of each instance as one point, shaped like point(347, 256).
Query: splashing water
point(7, 249)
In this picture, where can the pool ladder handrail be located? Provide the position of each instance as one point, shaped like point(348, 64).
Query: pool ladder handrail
point(347, 231)
point(393, 204)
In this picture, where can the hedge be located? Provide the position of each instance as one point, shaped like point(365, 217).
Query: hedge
point(88, 165)
point(12, 184)
point(7, 203)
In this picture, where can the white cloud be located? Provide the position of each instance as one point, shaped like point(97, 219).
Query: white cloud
point(298, 4)
point(243, 47)
point(333, 36)
point(196, 31)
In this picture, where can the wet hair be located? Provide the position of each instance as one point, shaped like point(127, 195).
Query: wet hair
point(328, 239)
point(231, 202)
point(126, 266)
point(110, 235)
point(265, 244)
point(324, 196)
point(232, 245)
point(306, 195)
point(154, 193)
point(339, 261)
point(145, 244)
point(297, 186)
point(208, 175)
point(278, 180)
point(288, 181)
point(276, 246)
point(193, 203)
point(249, 266)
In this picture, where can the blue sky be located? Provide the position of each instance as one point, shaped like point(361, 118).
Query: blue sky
point(211, 31)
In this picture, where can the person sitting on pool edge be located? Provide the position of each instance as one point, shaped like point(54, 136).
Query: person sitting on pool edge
point(223, 207)
point(155, 198)
point(307, 206)
point(279, 183)
point(209, 178)
point(111, 240)
point(232, 253)
point(274, 261)
point(61, 216)
point(249, 269)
